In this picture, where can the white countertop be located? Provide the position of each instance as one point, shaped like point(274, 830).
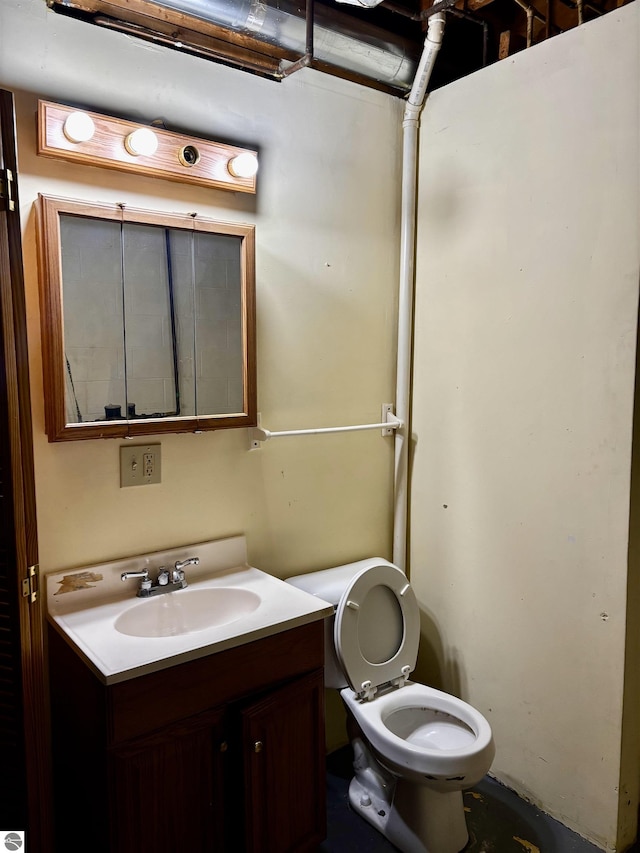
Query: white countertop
point(84, 604)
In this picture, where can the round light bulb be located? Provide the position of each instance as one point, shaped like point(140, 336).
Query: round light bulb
point(141, 142)
point(79, 127)
point(243, 166)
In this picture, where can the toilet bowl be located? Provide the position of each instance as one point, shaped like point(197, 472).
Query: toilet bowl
point(415, 747)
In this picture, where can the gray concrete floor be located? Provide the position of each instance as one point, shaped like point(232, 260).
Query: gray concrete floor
point(498, 820)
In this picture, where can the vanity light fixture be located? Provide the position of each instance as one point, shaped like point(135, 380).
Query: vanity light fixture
point(142, 142)
point(243, 166)
point(79, 127)
point(151, 151)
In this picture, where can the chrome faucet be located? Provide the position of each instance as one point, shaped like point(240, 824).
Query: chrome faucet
point(165, 581)
point(180, 566)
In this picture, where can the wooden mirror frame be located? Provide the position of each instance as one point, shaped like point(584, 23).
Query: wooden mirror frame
point(49, 210)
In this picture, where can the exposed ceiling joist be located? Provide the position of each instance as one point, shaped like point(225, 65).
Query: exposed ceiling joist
point(376, 47)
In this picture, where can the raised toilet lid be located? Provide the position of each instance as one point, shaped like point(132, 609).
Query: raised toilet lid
point(377, 629)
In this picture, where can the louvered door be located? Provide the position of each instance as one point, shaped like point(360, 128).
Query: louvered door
point(24, 780)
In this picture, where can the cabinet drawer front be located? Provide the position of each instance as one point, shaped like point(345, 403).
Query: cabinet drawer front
point(160, 698)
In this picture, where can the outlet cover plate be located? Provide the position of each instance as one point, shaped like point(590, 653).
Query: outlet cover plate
point(139, 464)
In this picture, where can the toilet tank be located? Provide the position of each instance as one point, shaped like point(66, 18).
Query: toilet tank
point(329, 585)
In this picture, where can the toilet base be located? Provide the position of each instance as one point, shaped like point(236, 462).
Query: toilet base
point(414, 818)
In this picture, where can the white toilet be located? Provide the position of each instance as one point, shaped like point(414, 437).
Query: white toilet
point(415, 748)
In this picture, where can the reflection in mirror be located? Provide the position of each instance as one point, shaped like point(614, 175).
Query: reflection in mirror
point(155, 321)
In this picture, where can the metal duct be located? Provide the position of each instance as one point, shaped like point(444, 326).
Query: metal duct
point(339, 40)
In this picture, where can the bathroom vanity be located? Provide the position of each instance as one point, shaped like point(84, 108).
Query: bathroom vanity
point(215, 748)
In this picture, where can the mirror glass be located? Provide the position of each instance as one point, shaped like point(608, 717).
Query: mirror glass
point(155, 325)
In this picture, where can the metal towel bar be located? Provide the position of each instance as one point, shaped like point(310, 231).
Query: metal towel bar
point(388, 424)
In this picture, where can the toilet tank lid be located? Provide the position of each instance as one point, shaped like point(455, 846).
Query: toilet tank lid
point(329, 584)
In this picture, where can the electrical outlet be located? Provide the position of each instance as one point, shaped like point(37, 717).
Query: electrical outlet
point(148, 469)
point(139, 464)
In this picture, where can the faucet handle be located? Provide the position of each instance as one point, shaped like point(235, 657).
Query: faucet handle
point(190, 561)
point(178, 572)
point(143, 574)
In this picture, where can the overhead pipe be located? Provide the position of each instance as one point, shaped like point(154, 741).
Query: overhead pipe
point(447, 6)
point(408, 225)
point(307, 59)
point(531, 14)
point(424, 15)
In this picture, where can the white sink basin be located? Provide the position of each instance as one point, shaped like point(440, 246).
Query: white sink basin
point(226, 604)
point(186, 611)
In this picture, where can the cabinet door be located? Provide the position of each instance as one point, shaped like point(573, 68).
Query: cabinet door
point(167, 789)
point(284, 743)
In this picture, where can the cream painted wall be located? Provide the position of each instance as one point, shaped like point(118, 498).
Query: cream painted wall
point(527, 305)
point(524, 361)
point(326, 223)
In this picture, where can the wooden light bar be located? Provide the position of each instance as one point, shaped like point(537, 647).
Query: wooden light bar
point(177, 157)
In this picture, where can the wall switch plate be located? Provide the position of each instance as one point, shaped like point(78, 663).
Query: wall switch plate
point(139, 464)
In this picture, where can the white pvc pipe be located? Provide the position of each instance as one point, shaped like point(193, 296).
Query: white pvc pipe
point(410, 128)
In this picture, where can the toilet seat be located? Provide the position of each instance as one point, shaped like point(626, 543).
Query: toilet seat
point(377, 630)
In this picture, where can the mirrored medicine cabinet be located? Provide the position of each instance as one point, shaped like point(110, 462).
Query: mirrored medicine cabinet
point(148, 321)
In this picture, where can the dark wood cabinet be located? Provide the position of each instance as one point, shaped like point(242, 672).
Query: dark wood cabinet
point(277, 757)
point(224, 753)
point(168, 788)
